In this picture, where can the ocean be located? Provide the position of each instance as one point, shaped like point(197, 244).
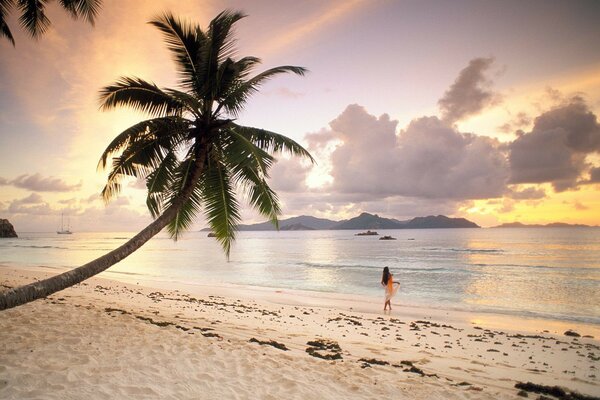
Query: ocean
point(550, 273)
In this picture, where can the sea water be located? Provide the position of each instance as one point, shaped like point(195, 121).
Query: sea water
point(532, 272)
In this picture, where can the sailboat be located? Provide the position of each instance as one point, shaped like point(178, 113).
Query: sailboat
point(62, 230)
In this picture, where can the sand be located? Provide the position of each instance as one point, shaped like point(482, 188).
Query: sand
point(105, 339)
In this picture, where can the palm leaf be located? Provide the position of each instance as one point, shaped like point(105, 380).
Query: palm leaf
point(185, 43)
point(87, 9)
point(33, 18)
point(141, 96)
point(235, 100)
point(190, 207)
point(158, 182)
point(138, 160)
point(272, 142)
point(220, 204)
point(175, 127)
point(5, 30)
point(249, 165)
point(219, 32)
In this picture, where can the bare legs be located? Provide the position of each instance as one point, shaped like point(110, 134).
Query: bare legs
point(387, 304)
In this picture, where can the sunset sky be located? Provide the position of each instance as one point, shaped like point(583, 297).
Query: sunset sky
point(479, 109)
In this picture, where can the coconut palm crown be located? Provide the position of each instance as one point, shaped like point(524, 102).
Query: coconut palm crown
point(194, 127)
point(191, 152)
point(33, 14)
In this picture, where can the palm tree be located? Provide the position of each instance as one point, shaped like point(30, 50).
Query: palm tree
point(191, 152)
point(33, 17)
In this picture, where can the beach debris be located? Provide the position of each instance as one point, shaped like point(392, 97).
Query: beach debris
point(162, 324)
point(110, 309)
point(353, 320)
point(572, 333)
point(325, 349)
point(373, 361)
point(273, 343)
point(522, 393)
point(555, 391)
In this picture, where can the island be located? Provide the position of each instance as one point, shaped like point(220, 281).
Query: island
point(367, 233)
point(364, 221)
point(6, 229)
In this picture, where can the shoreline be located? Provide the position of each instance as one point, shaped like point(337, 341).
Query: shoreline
point(345, 301)
point(139, 341)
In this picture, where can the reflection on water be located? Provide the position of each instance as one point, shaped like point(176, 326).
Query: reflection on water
point(549, 272)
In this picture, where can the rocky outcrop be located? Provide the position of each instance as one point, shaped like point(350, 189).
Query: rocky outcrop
point(6, 229)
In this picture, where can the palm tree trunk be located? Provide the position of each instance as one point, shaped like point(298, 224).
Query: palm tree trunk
point(33, 291)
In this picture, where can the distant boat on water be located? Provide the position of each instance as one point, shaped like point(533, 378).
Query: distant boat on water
point(62, 230)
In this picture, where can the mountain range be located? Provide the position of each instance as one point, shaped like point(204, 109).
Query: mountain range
point(363, 221)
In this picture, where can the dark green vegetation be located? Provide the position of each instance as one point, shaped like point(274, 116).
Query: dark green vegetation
point(191, 153)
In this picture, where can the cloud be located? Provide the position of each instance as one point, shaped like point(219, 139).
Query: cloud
point(470, 93)
point(33, 204)
point(556, 148)
point(529, 193)
point(595, 175)
point(288, 175)
point(579, 206)
point(39, 183)
point(429, 159)
point(521, 121)
point(33, 198)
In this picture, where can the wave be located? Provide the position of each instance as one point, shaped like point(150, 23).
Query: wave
point(375, 267)
point(465, 250)
point(41, 247)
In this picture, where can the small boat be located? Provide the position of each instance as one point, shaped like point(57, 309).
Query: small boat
point(387, 238)
point(62, 230)
point(367, 233)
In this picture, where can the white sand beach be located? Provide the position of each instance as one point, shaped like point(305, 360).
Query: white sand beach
point(108, 340)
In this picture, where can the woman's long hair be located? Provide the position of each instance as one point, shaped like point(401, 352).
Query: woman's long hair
point(386, 276)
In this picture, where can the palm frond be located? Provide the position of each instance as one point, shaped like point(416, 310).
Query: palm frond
point(141, 96)
point(272, 142)
point(185, 43)
point(138, 160)
point(220, 204)
point(5, 30)
point(5, 6)
point(220, 34)
point(164, 127)
point(86, 9)
point(249, 165)
point(190, 207)
point(235, 100)
point(158, 183)
point(33, 18)
point(188, 101)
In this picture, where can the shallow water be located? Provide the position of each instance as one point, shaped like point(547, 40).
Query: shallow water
point(546, 272)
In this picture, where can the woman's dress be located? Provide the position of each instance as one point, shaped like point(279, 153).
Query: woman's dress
point(390, 288)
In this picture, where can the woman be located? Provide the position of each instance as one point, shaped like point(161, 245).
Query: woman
point(391, 287)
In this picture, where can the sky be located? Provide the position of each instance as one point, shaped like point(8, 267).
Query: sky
point(479, 109)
